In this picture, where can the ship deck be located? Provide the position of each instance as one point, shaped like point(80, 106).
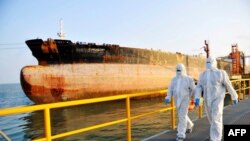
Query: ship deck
point(233, 115)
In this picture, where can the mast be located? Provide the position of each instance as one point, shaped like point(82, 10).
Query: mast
point(61, 34)
point(206, 48)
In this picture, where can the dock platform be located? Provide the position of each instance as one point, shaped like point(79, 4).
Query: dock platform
point(233, 115)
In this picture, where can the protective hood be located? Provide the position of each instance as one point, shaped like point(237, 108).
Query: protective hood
point(211, 63)
point(180, 70)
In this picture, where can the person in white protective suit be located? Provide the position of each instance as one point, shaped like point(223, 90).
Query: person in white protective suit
point(213, 82)
point(181, 87)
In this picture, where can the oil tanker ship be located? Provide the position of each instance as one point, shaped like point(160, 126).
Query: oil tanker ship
point(71, 71)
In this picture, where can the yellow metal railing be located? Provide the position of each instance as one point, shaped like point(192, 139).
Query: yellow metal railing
point(47, 107)
point(242, 87)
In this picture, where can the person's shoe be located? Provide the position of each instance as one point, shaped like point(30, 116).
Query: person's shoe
point(190, 130)
point(179, 139)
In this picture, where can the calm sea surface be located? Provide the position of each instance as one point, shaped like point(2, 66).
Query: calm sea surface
point(29, 126)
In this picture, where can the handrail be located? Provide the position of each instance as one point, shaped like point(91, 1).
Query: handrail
point(4, 136)
point(127, 97)
point(242, 87)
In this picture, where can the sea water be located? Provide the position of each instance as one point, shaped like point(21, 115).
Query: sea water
point(29, 126)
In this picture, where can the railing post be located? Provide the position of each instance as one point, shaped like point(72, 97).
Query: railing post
point(47, 124)
point(244, 89)
point(173, 113)
point(234, 87)
point(248, 87)
point(200, 111)
point(239, 89)
point(129, 119)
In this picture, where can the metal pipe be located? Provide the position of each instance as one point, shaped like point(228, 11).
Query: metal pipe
point(47, 124)
point(129, 119)
point(200, 111)
point(4, 136)
point(173, 113)
point(244, 91)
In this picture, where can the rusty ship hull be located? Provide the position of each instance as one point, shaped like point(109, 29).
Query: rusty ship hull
point(71, 71)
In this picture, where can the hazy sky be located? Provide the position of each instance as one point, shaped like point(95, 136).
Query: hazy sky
point(168, 25)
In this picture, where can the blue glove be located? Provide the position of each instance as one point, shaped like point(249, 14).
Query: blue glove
point(235, 101)
point(167, 101)
point(197, 102)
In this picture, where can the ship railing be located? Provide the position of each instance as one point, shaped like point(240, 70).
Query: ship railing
point(242, 86)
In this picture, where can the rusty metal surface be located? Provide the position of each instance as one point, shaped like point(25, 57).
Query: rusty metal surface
point(70, 71)
point(45, 84)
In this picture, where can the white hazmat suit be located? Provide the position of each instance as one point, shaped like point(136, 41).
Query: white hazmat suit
point(181, 87)
point(213, 82)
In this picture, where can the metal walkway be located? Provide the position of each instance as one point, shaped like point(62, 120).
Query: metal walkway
point(233, 114)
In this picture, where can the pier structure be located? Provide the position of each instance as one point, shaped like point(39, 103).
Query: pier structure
point(233, 114)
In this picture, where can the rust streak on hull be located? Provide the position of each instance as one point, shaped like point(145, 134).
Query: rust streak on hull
point(72, 71)
point(46, 84)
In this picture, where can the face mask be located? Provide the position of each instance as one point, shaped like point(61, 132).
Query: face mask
point(178, 72)
point(208, 65)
